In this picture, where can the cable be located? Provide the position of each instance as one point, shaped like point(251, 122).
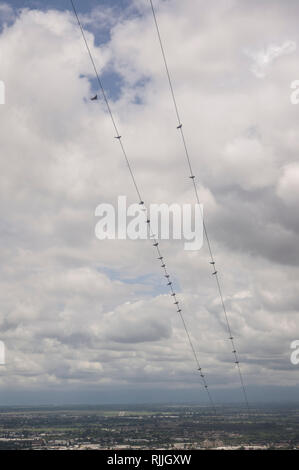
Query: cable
point(212, 260)
point(141, 203)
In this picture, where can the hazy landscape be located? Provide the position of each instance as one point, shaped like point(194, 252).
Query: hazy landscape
point(149, 427)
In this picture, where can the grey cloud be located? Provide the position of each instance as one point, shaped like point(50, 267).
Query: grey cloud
point(63, 320)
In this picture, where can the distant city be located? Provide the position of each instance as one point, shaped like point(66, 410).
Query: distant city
point(149, 427)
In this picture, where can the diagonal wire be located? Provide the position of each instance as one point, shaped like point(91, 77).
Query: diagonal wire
point(212, 260)
point(147, 220)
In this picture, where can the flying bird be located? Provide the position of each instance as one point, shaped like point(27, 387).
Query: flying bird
point(94, 98)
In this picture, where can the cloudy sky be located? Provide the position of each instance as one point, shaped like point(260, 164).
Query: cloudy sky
point(91, 321)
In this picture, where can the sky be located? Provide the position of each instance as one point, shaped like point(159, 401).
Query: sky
point(90, 321)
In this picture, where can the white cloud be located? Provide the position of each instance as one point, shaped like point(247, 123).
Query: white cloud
point(263, 58)
point(288, 185)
